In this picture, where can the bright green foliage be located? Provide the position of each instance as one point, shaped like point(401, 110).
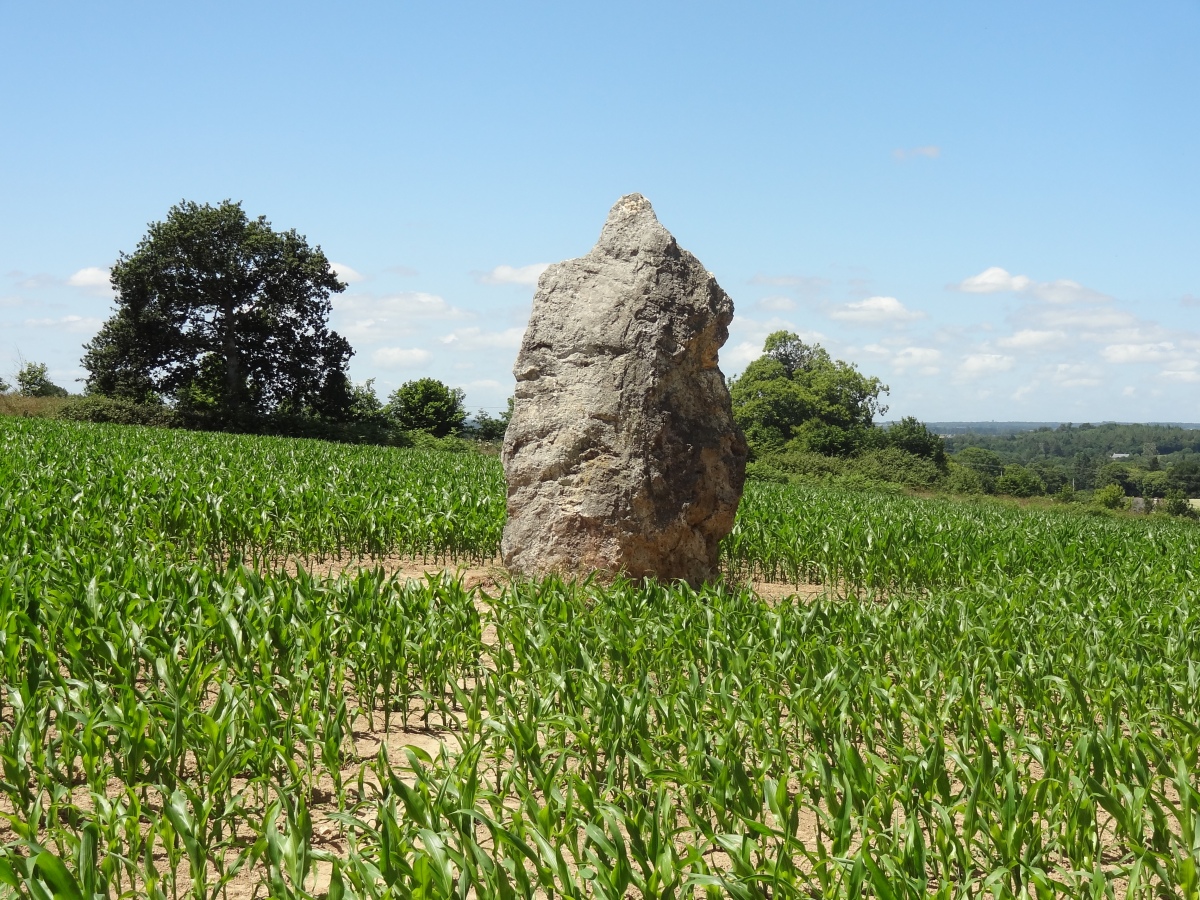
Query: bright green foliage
point(221, 496)
point(1018, 481)
point(1176, 504)
point(987, 463)
point(797, 393)
point(33, 380)
point(994, 702)
point(1111, 496)
point(427, 405)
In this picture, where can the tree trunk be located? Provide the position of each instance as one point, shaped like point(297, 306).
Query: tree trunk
point(233, 393)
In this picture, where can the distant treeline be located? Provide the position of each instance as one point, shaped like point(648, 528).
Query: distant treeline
point(1093, 441)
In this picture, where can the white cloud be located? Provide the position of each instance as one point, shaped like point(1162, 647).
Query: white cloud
point(976, 365)
point(1128, 391)
point(875, 311)
point(1063, 291)
point(1076, 375)
point(38, 281)
point(371, 319)
point(1025, 390)
point(1089, 323)
point(922, 359)
point(929, 151)
point(1032, 339)
point(1185, 370)
point(91, 277)
point(478, 339)
point(400, 357)
point(524, 275)
point(347, 274)
point(736, 357)
point(993, 280)
point(1139, 353)
point(805, 283)
point(776, 304)
point(72, 324)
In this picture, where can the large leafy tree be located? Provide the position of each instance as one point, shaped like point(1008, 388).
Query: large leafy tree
point(427, 405)
point(796, 395)
point(220, 313)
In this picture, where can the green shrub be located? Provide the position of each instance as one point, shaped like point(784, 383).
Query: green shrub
point(1109, 497)
point(96, 408)
point(760, 470)
point(806, 464)
point(987, 463)
point(964, 480)
point(1018, 481)
point(895, 465)
point(1176, 504)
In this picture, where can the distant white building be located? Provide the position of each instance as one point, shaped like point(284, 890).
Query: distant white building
point(1118, 456)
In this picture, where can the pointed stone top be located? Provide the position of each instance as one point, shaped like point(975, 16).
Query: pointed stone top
point(631, 228)
point(631, 205)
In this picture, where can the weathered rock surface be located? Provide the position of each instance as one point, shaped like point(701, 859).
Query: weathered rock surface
point(622, 454)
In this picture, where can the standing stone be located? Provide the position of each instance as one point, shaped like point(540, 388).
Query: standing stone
point(622, 454)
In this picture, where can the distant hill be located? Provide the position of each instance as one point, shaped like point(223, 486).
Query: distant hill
point(999, 428)
point(1026, 442)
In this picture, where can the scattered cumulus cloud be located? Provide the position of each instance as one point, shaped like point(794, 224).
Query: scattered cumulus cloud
point(478, 339)
point(1076, 375)
point(995, 280)
point(977, 365)
point(400, 357)
point(991, 281)
point(371, 319)
point(929, 151)
point(1088, 323)
point(72, 324)
point(776, 304)
point(38, 281)
point(922, 360)
point(92, 277)
point(875, 311)
point(523, 275)
point(1183, 370)
point(347, 274)
point(402, 271)
point(805, 283)
point(1139, 353)
point(1033, 339)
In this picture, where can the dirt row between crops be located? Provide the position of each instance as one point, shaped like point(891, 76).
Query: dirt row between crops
point(491, 576)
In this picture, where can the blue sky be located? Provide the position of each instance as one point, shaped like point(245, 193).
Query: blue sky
point(993, 207)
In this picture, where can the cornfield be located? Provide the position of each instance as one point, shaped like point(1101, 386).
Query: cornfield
point(984, 702)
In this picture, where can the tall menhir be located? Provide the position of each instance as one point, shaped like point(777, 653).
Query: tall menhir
point(622, 454)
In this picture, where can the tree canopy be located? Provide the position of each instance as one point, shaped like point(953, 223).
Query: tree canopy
point(427, 405)
point(221, 314)
point(795, 395)
point(33, 380)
